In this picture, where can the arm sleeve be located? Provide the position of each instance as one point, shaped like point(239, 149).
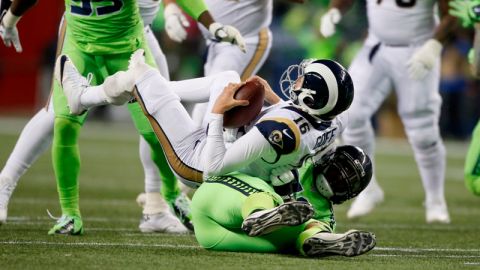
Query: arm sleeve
point(218, 160)
point(194, 8)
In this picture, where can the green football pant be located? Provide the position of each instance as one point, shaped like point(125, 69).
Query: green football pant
point(217, 214)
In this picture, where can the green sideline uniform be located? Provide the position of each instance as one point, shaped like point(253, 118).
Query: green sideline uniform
point(468, 12)
point(100, 37)
point(472, 163)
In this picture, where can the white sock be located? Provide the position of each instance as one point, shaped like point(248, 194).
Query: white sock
point(154, 203)
point(93, 96)
point(35, 138)
point(152, 175)
point(431, 164)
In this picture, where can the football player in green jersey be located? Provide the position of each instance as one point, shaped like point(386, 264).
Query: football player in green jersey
point(238, 212)
point(100, 36)
point(469, 14)
point(37, 136)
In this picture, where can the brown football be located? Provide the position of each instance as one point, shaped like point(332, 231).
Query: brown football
point(254, 92)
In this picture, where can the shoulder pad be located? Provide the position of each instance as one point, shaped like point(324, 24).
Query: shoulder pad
point(282, 134)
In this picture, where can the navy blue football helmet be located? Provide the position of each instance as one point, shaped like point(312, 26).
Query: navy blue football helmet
point(322, 88)
point(344, 175)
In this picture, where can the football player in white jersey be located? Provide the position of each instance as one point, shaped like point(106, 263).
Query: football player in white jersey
point(283, 135)
point(37, 134)
point(402, 51)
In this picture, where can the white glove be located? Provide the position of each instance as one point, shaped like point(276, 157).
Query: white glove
point(227, 33)
point(9, 32)
point(328, 22)
point(424, 59)
point(175, 23)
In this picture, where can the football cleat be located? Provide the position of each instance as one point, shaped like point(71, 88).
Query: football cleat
point(181, 208)
point(6, 189)
point(287, 214)
point(351, 243)
point(67, 225)
point(163, 222)
point(366, 201)
point(72, 82)
point(436, 212)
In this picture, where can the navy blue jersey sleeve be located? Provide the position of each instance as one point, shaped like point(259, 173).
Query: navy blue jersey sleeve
point(282, 134)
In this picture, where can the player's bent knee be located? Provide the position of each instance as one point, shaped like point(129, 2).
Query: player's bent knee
point(66, 130)
point(423, 138)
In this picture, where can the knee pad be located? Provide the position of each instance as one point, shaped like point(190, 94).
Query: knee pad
point(423, 138)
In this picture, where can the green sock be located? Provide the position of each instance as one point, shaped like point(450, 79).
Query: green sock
point(258, 201)
point(170, 188)
point(312, 227)
point(66, 164)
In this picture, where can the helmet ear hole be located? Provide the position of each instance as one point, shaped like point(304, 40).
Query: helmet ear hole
point(309, 102)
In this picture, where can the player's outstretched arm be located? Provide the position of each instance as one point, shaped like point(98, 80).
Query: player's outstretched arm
point(10, 14)
point(425, 58)
point(333, 16)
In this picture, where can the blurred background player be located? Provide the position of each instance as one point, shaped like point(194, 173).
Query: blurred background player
point(68, 188)
point(238, 212)
point(407, 53)
point(469, 14)
point(252, 18)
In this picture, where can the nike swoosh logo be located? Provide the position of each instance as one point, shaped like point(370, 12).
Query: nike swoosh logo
point(284, 131)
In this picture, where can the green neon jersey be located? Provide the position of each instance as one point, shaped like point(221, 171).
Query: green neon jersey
point(104, 26)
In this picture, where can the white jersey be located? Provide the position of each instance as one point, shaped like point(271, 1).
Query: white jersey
point(148, 10)
point(248, 16)
point(282, 137)
point(401, 22)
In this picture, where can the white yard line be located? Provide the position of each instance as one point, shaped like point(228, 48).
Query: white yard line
point(375, 253)
point(25, 220)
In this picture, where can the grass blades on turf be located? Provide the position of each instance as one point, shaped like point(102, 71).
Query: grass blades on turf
point(111, 177)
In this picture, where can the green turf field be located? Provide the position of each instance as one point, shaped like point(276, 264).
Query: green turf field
point(111, 178)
